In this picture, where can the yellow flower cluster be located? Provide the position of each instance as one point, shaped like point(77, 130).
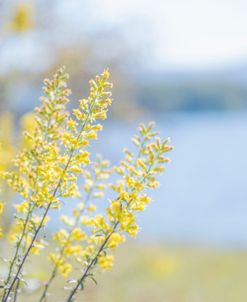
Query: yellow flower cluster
point(71, 242)
point(137, 174)
point(47, 170)
point(9, 146)
point(55, 167)
point(22, 19)
point(7, 150)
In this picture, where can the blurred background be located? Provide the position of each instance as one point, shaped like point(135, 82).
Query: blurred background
point(184, 65)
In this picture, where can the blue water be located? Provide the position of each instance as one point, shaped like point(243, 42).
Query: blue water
point(203, 193)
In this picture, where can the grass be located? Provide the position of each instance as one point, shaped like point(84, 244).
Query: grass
point(144, 273)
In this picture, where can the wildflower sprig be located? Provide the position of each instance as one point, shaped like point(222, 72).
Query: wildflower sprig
point(35, 171)
point(10, 144)
point(55, 166)
point(47, 171)
point(70, 241)
point(138, 174)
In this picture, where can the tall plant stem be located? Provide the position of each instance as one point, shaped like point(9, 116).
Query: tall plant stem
point(90, 266)
point(54, 271)
point(94, 260)
point(5, 298)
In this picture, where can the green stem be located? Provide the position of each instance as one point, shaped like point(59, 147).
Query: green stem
point(9, 290)
point(18, 246)
point(94, 260)
point(90, 266)
point(54, 271)
point(16, 291)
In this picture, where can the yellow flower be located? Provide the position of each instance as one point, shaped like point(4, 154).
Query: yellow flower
point(38, 246)
point(133, 230)
point(56, 259)
point(72, 250)
point(105, 261)
point(72, 124)
point(22, 19)
point(46, 175)
point(115, 240)
point(91, 208)
point(1, 207)
point(100, 115)
point(100, 223)
point(91, 135)
point(28, 126)
point(98, 240)
point(114, 211)
point(22, 207)
point(65, 269)
point(78, 235)
point(61, 236)
point(15, 231)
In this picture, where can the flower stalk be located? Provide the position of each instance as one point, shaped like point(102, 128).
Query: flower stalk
point(47, 173)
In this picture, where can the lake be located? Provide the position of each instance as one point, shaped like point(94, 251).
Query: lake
point(203, 193)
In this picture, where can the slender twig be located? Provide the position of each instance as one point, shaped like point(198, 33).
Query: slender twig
point(37, 231)
point(26, 253)
point(16, 290)
point(29, 215)
point(91, 265)
point(94, 260)
point(54, 271)
point(5, 298)
point(18, 246)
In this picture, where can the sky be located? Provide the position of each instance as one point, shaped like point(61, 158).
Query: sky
point(173, 34)
point(186, 34)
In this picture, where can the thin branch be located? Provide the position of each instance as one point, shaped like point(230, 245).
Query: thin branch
point(90, 266)
point(5, 298)
point(54, 271)
point(94, 261)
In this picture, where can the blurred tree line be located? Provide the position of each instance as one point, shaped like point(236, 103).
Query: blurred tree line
point(36, 37)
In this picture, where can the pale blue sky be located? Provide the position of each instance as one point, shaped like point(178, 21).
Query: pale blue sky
point(187, 33)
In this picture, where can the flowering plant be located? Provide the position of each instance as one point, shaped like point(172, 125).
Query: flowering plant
point(55, 166)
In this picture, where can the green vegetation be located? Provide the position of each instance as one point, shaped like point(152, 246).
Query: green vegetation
point(159, 273)
point(183, 95)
